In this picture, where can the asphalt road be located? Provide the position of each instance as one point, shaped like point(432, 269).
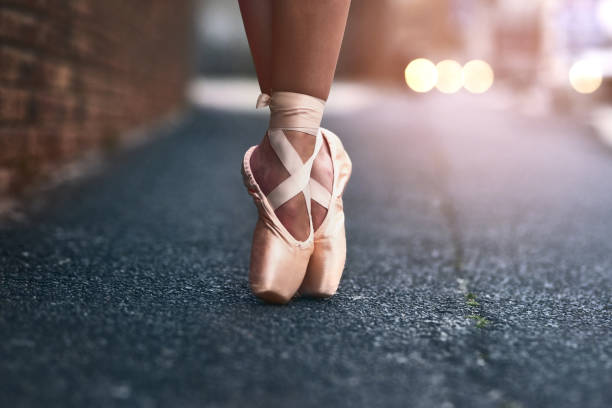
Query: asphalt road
point(129, 288)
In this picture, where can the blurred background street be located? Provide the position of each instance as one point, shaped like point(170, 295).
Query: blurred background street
point(479, 216)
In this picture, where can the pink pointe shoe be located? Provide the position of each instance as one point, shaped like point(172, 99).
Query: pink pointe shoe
point(327, 260)
point(278, 260)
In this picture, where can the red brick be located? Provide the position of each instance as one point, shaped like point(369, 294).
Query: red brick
point(15, 64)
point(6, 178)
point(14, 105)
point(75, 75)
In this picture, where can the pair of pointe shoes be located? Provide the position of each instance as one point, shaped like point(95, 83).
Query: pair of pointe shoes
point(282, 266)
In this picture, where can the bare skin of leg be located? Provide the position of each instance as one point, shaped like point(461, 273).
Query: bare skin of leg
point(295, 46)
point(257, 19)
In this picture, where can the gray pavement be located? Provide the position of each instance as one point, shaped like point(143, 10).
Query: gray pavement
point(129, 287)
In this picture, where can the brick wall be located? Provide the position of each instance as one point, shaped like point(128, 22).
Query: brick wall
point(76, 74)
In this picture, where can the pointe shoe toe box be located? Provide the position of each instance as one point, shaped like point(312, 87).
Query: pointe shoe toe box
point(277, 267)
point(326, 265)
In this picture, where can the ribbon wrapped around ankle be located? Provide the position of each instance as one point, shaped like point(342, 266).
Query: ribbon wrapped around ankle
point(292, 110)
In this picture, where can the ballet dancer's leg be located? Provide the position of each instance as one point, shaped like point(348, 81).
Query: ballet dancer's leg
point(303, 46)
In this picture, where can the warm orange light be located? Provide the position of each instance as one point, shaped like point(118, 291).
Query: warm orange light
point(585, 76)
point(478, 76)
point(450, 76)
point(421, 75)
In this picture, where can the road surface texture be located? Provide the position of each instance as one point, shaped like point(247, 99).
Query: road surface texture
point(129, 288)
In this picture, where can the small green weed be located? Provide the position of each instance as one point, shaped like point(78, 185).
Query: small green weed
point(481, 322)
point(471, 300)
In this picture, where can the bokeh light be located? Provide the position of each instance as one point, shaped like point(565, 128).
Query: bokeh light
point(604, 15)
point(450, 76)
point(585, 76)
point(477, 76)
point(421, 75)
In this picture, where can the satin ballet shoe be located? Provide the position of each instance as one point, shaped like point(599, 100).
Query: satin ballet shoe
point(327, 260)
point(278, 260)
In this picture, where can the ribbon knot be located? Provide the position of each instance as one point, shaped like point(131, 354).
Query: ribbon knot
point(263, 100)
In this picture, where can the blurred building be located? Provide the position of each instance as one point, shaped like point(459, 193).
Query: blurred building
point(531, 45)
point(76, 74)
point(383, 36)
